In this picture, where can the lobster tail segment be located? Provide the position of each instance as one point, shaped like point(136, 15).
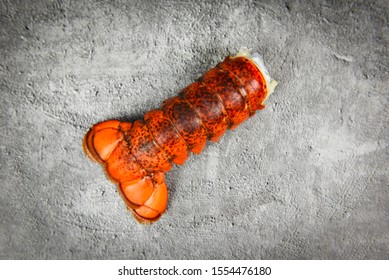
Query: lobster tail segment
point(256, 58)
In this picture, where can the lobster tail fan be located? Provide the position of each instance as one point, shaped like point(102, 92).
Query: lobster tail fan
point(102, 139)
point(144, 194)
point(146, 197)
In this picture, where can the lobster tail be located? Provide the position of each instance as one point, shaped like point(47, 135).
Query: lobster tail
point(137, 155)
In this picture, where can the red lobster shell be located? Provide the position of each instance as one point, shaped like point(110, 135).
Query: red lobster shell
point(137, 155)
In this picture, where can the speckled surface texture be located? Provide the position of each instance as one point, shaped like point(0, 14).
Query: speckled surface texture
point(306, 178)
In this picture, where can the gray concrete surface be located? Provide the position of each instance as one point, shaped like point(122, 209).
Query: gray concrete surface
point(307, 178)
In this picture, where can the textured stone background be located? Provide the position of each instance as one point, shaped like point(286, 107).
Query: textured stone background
point(307, 178)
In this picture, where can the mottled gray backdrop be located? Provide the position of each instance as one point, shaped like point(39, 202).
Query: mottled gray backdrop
point(306, 178)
